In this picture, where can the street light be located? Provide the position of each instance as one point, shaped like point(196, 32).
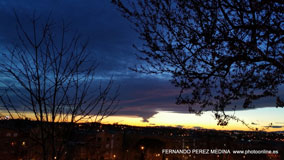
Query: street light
point(142, 153)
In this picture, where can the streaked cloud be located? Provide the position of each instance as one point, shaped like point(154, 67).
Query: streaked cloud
point(111, 40)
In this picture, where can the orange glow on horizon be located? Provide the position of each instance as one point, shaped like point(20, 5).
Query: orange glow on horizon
point(205, 121)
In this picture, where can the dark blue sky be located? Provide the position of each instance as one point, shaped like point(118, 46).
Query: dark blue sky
point(111, 40)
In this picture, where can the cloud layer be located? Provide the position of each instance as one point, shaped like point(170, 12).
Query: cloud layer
point(111, 40)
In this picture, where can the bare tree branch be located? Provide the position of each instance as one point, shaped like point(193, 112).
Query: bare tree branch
point(51, 79)
point(217, 52)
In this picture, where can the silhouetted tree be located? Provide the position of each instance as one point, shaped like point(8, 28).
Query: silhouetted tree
point(48, 78)
point(218, 52)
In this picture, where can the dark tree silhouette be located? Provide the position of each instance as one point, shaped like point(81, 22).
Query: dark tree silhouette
point(48, 77)
point(218, 52)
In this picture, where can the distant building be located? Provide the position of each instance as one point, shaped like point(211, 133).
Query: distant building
point(120, 142)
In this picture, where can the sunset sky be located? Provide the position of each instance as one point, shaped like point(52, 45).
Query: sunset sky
point(145, 100)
